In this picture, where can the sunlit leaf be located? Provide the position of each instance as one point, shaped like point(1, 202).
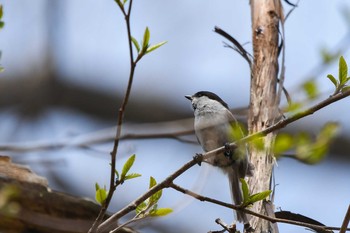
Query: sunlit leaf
point(283, 143)
point(345, 88)
point(155, 197)
point(343, 70)
point(132, 176)
point(100, 194)
point(140, 208)
point(119, 4)
point(311, 152)
point(311, 89)
point(152, 182)
point(154, 47)
point(294, 107)
point(146, 37)
point(333, 80)
point(327, 57)
point(258, 143)
point(259, 196)
point(160, 212)
point(136, 44)
point(128, 164)
point(245, 190)
point(116, 174)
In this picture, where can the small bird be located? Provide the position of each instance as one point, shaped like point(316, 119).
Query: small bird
point(215, 126)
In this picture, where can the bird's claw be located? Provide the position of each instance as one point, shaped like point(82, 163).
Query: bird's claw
point(228, 151)
point(198, 158)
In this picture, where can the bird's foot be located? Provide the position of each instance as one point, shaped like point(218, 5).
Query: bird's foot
point(228, 152)
point(198, 158)
point(248, 228)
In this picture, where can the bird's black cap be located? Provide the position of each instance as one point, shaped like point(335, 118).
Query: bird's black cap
point(212, 96)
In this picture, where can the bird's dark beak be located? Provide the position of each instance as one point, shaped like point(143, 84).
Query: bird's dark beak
point(188, 97)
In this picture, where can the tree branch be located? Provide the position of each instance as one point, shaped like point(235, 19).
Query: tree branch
point(238, 207)
point(112, 185)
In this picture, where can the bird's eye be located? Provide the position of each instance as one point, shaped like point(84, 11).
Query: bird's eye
point(194, 106)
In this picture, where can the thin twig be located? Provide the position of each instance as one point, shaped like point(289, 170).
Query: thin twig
point(112, 185)
point(345, 223)
point(238, 47)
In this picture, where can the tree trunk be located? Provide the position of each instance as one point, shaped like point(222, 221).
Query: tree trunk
point(263, 105)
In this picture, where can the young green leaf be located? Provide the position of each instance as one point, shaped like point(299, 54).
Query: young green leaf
point(136, 44)
point(160, 212)
point(333, 80)
point(311, 89)
point(152, 182)
point(259, 196)
point(245, 190)
point(154, 47)
point(343, 70)
point(128, 164)
point(345, 88)
point(116, 174)
point(119, 4)
point(146, 37)
point(132, 176)
point(155, 197)
point(142, 207)
point(124, 2)
point(101, 194)
point(283, 143)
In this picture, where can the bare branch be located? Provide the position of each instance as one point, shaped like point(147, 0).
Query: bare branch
point(237, 46)
point(345, 223)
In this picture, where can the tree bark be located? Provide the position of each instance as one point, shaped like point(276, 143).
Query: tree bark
point(263, 105)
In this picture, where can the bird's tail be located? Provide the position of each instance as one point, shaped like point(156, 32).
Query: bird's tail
point(236, 194)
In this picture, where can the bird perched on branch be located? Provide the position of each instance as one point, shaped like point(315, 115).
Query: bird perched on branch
point(215, 126)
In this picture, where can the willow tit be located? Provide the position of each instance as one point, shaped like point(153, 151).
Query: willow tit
point(215, 127)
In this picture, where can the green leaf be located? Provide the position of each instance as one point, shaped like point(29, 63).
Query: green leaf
point(154, 47)
point(283, 143)
point(259, 196)
point(155, 197)
point(333, 80)
point(140, 208)
point(152, 182)
point(119, 4)
point(146, 37)
point(327, 57)
point(312, 152)
point(1, 11)
point(116, 174)
point(343, 70)
point(160, 212)
point(294, 107)
point(245, 190)
point(311, 89)
point(132, 176)
point(345, 88)
point(124, 2)
point(101, 194)
point(128, 164)
point(136, 44)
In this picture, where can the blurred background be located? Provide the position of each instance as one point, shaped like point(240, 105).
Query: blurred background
point(66, 69)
